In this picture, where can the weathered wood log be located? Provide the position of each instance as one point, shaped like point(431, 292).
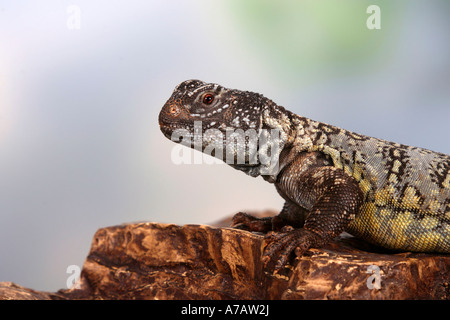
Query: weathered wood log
point(167, 261)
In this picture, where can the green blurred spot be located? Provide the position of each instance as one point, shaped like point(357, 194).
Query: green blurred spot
point(304, 35)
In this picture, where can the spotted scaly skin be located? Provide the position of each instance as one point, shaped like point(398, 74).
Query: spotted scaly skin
point(332, 180)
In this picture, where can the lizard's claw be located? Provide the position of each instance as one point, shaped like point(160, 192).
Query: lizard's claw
point(241, 220)
point(244, 221)
point(281, 244)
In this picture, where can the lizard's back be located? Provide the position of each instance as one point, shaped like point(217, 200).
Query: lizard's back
point(406, 190)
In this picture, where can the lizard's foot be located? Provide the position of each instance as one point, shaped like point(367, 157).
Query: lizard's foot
point(282, 244)
point(244, 221)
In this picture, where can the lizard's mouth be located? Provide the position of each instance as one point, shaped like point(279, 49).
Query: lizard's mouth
point(165, 129)
point(177, 133)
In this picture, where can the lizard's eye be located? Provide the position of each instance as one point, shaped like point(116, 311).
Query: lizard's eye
point(208, 98)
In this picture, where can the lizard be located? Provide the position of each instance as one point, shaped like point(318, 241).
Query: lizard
point(332, 180)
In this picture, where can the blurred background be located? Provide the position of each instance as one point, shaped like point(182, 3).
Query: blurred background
point(82, 83)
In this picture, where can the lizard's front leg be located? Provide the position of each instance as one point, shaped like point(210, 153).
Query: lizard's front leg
point(336, 199)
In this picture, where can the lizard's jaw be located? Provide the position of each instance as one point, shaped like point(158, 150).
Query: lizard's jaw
point(170, 129)
point(179, 133)
point(165, 129)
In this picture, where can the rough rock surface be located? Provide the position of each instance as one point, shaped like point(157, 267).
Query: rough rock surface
point(166, 261)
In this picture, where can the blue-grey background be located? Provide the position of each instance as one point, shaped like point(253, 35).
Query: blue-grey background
point(80, 146)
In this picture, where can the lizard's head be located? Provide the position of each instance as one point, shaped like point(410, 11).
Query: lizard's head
point(221, 122)
point(212, 105)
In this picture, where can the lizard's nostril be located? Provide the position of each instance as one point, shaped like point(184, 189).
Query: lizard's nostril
point(174, 110)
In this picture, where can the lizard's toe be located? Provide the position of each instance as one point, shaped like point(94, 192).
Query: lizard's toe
point(275, 251)
point(281, 246)
point(300, 250)
point(240, 217)
point(244, 221)
point(287, 229)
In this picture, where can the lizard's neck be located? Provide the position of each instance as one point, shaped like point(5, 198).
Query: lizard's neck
point(282, 136)
point(274, 135)
point(299, 134)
